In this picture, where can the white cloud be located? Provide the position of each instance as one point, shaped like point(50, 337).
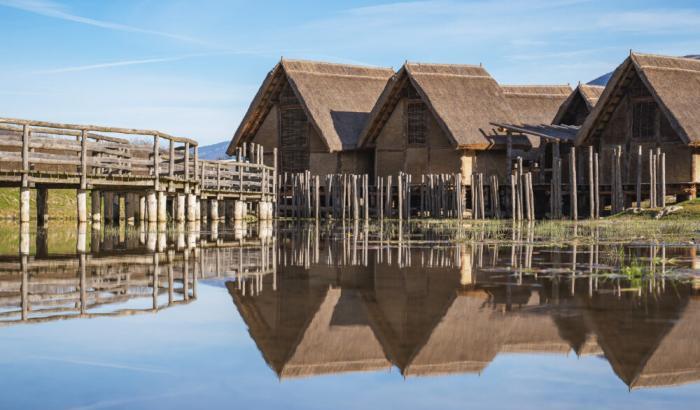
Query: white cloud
point(123, 63)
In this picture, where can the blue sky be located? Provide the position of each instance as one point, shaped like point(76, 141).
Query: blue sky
point(191, 67)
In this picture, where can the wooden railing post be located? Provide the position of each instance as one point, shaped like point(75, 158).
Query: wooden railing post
point(83, 160)
point(187, 163)
point(156, 163)
point(25, 156)
point(218, 176)
point(171, 160)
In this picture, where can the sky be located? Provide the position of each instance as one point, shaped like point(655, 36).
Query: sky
point(191, 68)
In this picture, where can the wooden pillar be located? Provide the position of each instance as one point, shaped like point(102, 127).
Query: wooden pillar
point(639, 177)
point(142, 207)
point(42, 206)
point(663, 179)
point(95, 206)
point(82, 205)
point(180, 208)
point(573, 184)
point(162, 207)
point(24, 197)
point(596, 183)
point(152, 206)
point(191, 207)
point(213, 209)
point(591, 183)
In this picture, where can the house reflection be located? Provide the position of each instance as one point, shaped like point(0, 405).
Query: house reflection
point(432, 311)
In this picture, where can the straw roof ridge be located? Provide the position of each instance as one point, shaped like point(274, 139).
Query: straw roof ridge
point(464, 99)
point(336, 97)
point(673, 82)
point(535, 104)
point(544, 90)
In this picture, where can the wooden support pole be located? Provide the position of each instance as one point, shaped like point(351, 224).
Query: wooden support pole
point(213, 209)
point(366, 197)
point(638, 185)
point(81, 200)
point(42, 206)
point(317, 197)
point(95, 202)
point(591, 184)
point(26, 134)
point(400, 195)
point(652, 182)
point(513, 199)
point(482, 208)
point(596, 183)
point(573, 186)
point(24, 198)
point(162, 207)
point(663, 179)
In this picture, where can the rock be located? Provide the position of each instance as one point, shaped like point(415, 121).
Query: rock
point(668, 210)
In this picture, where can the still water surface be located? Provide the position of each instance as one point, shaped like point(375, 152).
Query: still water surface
point(302, 316)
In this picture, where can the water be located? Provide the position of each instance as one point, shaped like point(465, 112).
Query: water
point(304, 316)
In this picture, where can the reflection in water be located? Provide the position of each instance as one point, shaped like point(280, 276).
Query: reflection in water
point(353, 304)
point(119, 272)
point(327, 300)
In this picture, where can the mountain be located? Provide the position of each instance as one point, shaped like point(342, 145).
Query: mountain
point(603, 79)
point(214, 151)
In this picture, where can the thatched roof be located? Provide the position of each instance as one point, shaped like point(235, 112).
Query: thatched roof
point(535, 104)
point(584, 94)
point(674, 83)
point(676, 360)
point(306, 328)
point(464, 99)
point(337, 99)
point(334, 344)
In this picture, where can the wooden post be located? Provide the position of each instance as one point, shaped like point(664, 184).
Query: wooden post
point(156, 163)
point(482, 212)
point(591, 183)
point(513, 199)
point(639, 177)
point(573, 184)
point(663, 179)
point(366, 197)
point(400, 195)
point(152, 205)
point(42, 206)
point(652, 182)
point(95, 199)
point(317, 197)
point(596, 184)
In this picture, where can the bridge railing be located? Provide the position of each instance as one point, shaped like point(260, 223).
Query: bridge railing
point(86, 151)
point(247, 177)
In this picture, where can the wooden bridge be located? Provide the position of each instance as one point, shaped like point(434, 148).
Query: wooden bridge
point(158, 176)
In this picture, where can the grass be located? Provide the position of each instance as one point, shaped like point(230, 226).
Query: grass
point(62, 203)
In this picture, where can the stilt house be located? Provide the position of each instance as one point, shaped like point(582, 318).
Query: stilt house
point(650, 103)
point(434, 118)
point(313, 113)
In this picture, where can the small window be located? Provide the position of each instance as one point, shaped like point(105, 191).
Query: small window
point(415, 123)
point(644, 120)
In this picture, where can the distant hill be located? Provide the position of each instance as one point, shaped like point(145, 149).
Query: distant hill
point(603, 79)
point(214, 151)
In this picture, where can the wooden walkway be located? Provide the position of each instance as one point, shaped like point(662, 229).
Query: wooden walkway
point(159, 176)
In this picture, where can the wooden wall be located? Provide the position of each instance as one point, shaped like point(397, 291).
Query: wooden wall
point(394, 154)
point(680, 162)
